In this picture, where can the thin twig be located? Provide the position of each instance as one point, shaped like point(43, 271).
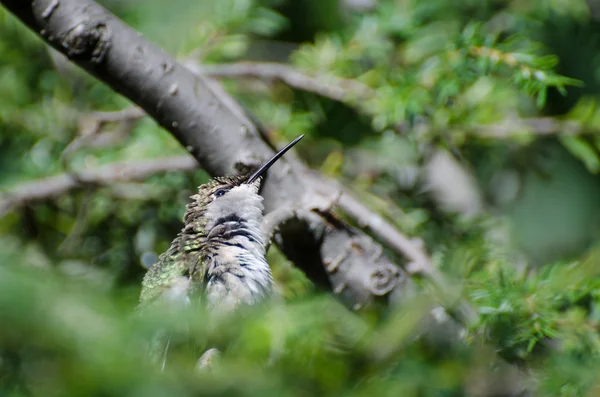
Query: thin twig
point(134, 113)
point(335, 88)
point(542, 126)
point(106, 175)
point(90, 125)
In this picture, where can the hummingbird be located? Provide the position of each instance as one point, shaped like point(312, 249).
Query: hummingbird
point(219, 256)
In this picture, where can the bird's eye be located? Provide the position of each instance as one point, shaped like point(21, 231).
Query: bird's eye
point(220, 192)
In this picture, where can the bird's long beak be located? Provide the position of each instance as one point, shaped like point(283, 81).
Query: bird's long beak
point(258, 173)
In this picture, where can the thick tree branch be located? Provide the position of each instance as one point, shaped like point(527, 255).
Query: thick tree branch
point(215, 130)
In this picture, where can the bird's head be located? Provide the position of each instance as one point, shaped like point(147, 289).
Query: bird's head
point(227, 202)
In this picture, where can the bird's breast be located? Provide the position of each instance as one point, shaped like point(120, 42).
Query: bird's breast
point(236, 276)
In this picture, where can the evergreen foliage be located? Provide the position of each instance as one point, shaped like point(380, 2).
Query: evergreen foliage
point(505, 93)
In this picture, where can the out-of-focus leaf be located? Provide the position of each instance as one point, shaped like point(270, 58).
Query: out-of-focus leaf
point(584, 151)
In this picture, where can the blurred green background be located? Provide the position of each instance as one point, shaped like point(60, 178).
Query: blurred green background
point(471, 124)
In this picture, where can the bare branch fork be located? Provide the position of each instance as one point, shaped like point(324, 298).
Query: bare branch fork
point(216, 131)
